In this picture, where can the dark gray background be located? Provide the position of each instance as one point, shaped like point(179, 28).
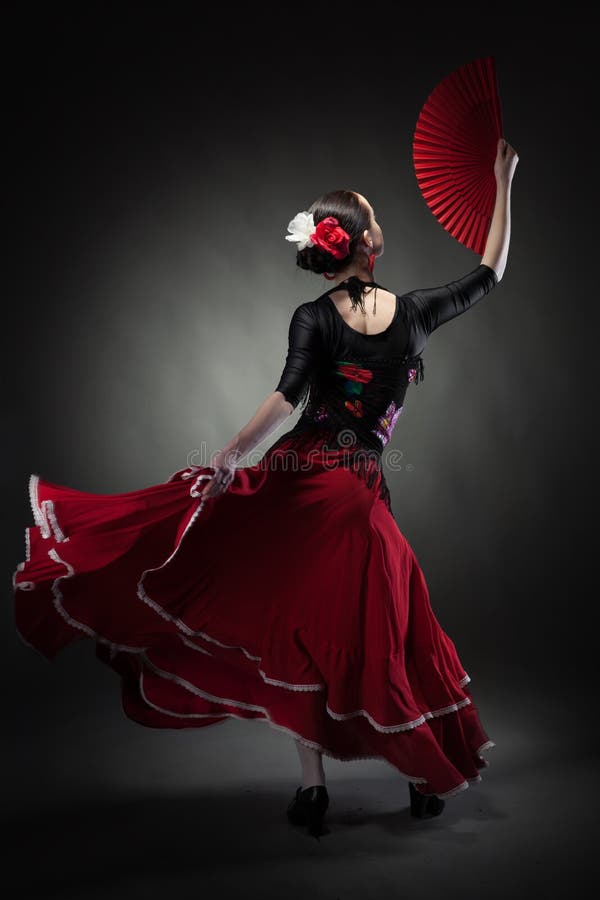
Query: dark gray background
point(156, 159)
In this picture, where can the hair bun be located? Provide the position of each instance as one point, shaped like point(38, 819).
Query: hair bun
point(319, 261)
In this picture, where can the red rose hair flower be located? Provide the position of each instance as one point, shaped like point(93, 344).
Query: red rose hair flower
point(330, 236)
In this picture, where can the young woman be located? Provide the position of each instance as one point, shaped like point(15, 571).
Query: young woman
point(284, 590)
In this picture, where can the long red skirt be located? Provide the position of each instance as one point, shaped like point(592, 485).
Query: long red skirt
point(292, 598)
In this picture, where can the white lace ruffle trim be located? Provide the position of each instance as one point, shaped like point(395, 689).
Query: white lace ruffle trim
point(312, 744)
point(384, 729)
point(45, 518)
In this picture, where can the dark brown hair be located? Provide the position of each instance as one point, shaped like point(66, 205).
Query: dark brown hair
point(353, 218)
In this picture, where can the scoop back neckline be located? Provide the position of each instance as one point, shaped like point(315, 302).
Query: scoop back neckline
point(362, 333)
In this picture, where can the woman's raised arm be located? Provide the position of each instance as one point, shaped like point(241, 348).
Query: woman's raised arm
point(496, 248)
point(434, 306)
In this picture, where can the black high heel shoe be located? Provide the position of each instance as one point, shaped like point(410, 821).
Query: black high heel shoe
point(309, 807)
point(423, 807)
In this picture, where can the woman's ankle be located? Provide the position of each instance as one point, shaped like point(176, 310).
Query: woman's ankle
point(312, 782)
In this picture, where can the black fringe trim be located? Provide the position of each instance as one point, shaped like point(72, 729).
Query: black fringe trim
point(419, 366)
point(355, 287)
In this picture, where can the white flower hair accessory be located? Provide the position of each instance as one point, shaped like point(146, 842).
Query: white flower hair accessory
point(301, 228)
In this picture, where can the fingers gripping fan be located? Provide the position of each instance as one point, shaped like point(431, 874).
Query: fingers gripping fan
point(454, 149)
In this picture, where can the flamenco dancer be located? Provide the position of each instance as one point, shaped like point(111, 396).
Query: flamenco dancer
point(284, 590)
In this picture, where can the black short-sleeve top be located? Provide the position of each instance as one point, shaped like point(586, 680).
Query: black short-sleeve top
point(356, 383)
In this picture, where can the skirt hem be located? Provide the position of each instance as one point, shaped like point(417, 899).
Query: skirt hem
point(49, 529)
point(314, 745)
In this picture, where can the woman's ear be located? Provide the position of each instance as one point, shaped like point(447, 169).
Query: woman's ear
point(367, 239)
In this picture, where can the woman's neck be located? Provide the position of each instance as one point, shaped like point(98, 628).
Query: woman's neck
point(358, 270)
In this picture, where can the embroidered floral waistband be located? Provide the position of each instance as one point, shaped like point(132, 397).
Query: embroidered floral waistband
point(329, 449)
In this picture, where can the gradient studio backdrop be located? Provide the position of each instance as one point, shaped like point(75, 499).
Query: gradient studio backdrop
point(157, 163)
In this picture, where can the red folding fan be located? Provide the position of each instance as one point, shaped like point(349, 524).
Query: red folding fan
point(454, 148)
